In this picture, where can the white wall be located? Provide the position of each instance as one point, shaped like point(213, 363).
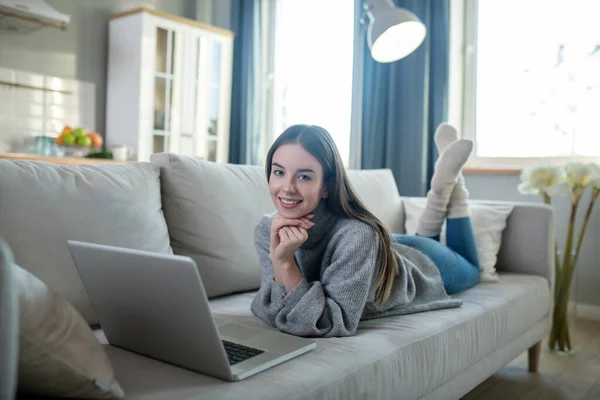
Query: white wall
point(215, 12)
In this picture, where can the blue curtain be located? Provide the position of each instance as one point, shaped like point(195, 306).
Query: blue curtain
point(248, 19)
point(404, 102)
point(242, 25)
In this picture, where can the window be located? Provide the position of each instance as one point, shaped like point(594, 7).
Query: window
point(531, 87)
point(313, 67)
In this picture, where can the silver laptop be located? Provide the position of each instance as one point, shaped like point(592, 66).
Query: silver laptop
point(155, 305)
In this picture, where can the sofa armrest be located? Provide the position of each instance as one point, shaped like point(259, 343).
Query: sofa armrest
point(8, 325)
point(528, 241)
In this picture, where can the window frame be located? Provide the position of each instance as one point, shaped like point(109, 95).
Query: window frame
point(462, 91)
point(351, 158)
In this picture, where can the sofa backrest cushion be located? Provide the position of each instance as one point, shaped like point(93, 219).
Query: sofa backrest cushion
point(42, 205)
point(377, 188)
point(212, 209)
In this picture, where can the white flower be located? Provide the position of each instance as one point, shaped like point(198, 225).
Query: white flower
point(579, 176)
point(594, 175)
point(540, 179)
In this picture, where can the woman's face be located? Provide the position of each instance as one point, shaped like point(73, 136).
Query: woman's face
point(296, 183)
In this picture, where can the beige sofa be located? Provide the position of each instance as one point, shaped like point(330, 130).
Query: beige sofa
point(208, 211)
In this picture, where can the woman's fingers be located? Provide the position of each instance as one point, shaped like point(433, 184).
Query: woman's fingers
point(284, 235)
point(298, 236)
point(279, 223)
point(307, 223)
point(293, 235)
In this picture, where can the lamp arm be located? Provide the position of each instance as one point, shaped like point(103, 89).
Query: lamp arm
point(370, 5)
point(365, 17)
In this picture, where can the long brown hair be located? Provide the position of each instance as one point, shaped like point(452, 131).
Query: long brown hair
point(342, 200)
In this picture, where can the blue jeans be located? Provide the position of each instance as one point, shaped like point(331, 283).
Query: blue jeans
point(457, 261)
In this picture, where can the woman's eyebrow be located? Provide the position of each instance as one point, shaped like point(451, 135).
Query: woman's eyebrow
point(300, 170)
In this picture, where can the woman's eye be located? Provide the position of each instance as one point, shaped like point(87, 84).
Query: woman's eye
point(278, 172)
point(304, 177)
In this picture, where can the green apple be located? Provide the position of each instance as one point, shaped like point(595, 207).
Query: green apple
point(69, 139)
point(85, 141)
point(79, 132)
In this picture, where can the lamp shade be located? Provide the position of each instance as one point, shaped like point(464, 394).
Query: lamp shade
point(394, 33)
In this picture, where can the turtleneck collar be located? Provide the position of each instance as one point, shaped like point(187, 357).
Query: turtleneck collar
point(324, 220)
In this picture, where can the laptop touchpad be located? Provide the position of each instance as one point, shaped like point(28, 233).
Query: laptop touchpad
point(238, 332)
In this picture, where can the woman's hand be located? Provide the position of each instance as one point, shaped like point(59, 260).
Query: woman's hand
point(287, 235)
point(290, 239)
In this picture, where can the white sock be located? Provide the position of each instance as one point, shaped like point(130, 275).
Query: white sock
point(447, 168)
point(449, 165)
point(444, 135)
point(432, 218)
point(457, 205)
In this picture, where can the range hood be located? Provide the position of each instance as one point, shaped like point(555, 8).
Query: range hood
point(29, 15)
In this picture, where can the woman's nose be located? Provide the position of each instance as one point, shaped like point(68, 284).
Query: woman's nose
point(289, 187)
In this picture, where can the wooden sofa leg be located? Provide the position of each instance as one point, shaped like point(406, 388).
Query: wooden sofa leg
point(534, 356)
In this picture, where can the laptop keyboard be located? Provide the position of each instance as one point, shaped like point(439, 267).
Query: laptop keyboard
point(237, 353)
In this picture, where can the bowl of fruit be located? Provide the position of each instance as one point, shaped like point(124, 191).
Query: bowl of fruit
point(79, 142)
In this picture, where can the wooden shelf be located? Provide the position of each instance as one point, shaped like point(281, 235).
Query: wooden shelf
point(45, 89)
point(172, 17)
point(56, 160)
point(490, 171)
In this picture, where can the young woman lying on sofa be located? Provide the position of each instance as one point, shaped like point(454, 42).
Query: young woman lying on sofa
point(328, 263)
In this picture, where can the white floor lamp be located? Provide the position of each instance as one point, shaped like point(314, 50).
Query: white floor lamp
point(392, 34)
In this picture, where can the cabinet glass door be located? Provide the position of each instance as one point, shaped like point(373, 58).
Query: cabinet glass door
point(214, 101)
point(163, 88)
point(188, 138)
point(209, 93)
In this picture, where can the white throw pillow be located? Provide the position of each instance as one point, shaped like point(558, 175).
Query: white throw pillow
point(488, 223)
point(59, 355)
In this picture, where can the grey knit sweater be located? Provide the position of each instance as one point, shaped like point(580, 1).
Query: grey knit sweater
point(339, 266)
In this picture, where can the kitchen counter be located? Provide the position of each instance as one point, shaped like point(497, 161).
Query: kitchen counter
point(55, 160)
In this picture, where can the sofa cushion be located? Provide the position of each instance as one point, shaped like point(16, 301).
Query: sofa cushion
point(211, 211)
point(377, 188)
point(59, 355)
point(42, 205)
point(396, 357)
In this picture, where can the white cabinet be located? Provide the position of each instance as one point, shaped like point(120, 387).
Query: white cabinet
point(168, 85)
